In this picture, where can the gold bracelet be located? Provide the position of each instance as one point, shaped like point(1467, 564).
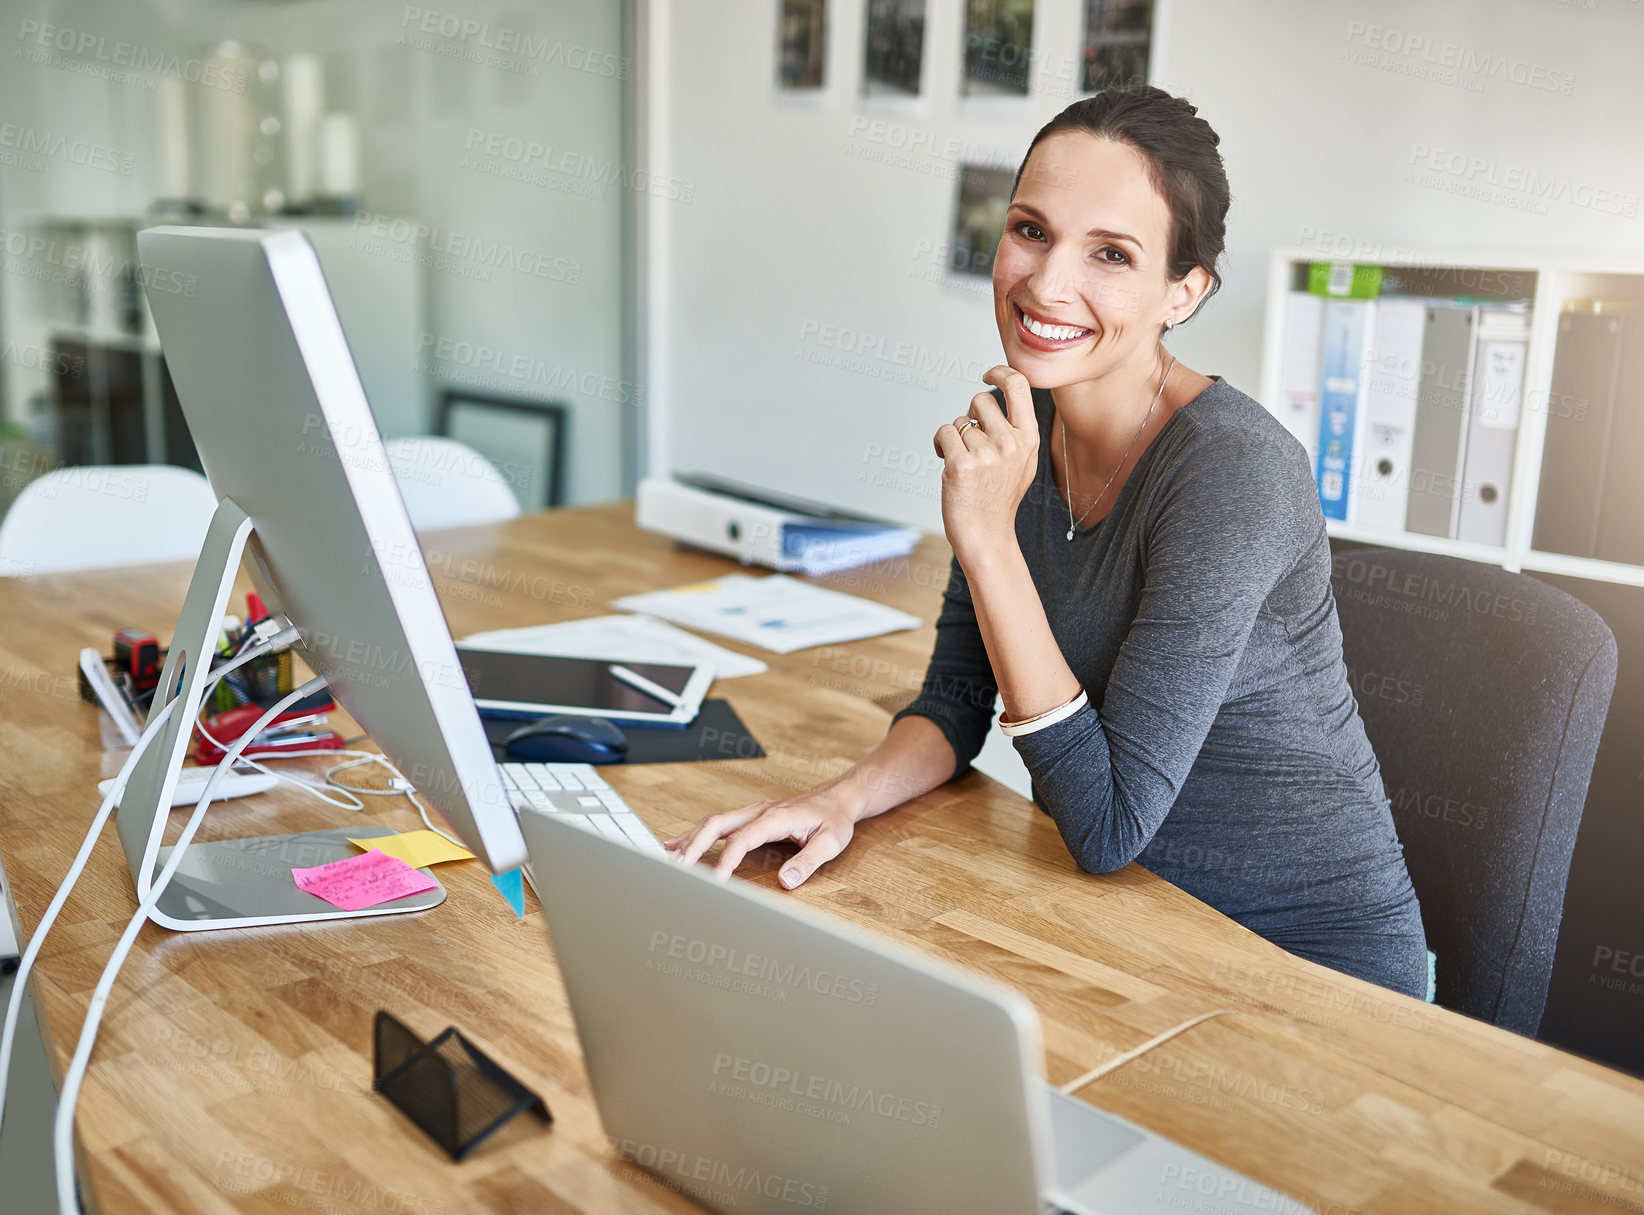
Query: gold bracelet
point(1015, 729)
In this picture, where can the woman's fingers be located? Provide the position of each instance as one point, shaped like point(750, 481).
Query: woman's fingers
point(691, 845)
point(1018, 395)
point(777, 823)
point(824, 845)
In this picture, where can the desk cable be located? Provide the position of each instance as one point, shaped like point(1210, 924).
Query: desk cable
point(398, 786)
point(31, 952)
point(68, 1098)
point(1136, 1052)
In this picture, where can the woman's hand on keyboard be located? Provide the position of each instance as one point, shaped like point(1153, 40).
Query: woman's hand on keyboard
point(819, 821)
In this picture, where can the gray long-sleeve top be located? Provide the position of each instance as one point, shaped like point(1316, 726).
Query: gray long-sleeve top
point(1222, 747)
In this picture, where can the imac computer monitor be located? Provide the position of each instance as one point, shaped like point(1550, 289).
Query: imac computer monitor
point(277, 411)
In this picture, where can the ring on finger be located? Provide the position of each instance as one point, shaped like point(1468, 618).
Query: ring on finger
point(967, 424)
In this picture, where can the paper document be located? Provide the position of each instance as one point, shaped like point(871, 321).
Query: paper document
point(777, 612)
point(627, 638)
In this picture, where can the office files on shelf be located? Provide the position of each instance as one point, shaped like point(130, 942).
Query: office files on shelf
point(1621, 507)
point(1394, 375)
point(1501, 338)
point(1298, 404)
point(1580, 406)
point(759, 529)
point(1348, 326)
point(1441, 418)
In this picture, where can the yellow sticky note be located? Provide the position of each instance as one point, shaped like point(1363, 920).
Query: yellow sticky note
point(416, 848)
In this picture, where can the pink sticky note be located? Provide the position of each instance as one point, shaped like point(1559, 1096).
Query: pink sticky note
point(358, 882)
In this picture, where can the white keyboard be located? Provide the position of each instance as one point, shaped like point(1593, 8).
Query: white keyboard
point(577, 793)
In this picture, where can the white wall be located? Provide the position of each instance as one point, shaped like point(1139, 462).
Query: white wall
point(417, 108)
point(800, 221)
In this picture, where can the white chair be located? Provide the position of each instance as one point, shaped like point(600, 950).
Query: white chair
point(448, 484)
point(93, 516)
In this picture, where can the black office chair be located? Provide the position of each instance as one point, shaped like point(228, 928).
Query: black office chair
point(1483, 694)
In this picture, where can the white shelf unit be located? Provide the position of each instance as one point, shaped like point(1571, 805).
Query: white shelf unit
point(1557, 279)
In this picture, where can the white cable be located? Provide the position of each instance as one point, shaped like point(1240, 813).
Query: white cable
point(14, 1005)
point(63, 1129)
point(398, 777)
point(307, 786)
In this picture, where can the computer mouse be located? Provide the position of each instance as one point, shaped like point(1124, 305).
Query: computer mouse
point(565, 739)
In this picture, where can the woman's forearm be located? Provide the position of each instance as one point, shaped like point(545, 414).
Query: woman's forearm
point(913, 759)
point(1028, 666)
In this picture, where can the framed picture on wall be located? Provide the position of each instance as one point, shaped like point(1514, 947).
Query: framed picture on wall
point(801, 44)
point(894, 48)
point(978, 223)
point(524, 438)
point(998, 45)
point(1118, 37)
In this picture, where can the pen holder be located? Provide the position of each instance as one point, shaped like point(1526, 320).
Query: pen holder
point(448, 1086)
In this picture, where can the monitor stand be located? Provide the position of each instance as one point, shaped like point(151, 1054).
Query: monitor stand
point(226, 883)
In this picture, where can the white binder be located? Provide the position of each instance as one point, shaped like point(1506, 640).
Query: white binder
point(1382, 474)
point(1502, 337)
point(760, 531)
point(1298, 403)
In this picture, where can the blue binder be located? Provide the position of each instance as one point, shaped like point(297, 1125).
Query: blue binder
point(1347, 329)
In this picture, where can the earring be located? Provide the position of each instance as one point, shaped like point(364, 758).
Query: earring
point(1167, 325)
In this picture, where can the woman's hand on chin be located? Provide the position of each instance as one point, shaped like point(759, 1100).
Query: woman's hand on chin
point(987, 467)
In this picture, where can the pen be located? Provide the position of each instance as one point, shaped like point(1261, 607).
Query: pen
point(654, 690)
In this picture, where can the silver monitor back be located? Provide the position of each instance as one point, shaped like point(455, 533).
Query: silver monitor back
point(279, 416)
point(759, 1057)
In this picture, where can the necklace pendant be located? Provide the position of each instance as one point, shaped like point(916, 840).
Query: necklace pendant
point(1070, 533)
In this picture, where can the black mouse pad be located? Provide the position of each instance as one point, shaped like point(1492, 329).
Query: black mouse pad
point(717, 733)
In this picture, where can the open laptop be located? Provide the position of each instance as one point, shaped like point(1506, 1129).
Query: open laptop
point(757, 1056)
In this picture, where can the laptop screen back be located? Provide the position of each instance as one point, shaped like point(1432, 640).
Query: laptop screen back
point(757, 1056)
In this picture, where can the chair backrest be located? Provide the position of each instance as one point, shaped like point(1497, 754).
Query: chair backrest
point(1483, 694)
point(93, 516)
point(448, 484)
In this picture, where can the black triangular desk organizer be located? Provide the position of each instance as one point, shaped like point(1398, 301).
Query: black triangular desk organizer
point(448, 1087)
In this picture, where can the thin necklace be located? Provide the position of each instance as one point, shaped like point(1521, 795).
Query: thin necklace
point(1067, 457)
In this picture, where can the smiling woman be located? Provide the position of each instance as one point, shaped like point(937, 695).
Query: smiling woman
point(1147, 589)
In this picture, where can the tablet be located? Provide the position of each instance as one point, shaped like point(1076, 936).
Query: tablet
point(528, 686)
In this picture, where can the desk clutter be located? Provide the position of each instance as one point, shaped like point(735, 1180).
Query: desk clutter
point(454, 1092)
point(123, 685)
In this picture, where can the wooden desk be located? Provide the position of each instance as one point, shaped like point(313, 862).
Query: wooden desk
point(233, 1070)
